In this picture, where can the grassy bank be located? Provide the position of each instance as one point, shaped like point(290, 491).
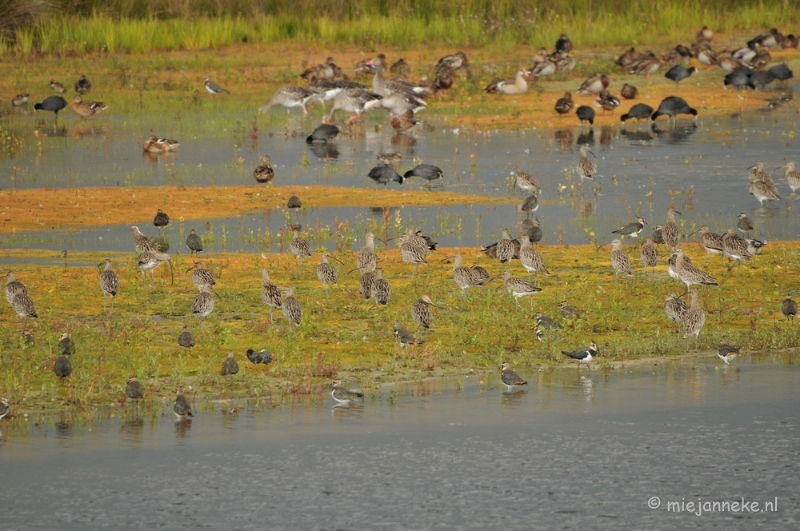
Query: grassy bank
point(141, 27)
point(346, 336)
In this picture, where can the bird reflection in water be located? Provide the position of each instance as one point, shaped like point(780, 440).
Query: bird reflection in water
point(324, 151)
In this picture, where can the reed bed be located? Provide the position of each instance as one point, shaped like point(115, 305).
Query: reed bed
point(143, 27)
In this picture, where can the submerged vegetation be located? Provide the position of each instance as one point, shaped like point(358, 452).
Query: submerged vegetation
point(150, 25)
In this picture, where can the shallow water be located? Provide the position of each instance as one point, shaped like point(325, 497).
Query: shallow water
point(576, 449)
point(701, 168)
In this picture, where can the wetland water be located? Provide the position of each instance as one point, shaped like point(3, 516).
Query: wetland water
point(577, 449)
point(702, 168)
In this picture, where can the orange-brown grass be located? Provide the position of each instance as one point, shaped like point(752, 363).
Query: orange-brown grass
point(42, 209)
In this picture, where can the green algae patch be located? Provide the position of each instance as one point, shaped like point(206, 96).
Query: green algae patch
point(347, 336)
point(46, 209)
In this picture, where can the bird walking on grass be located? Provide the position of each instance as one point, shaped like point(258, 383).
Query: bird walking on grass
point(194, 243)
point(229, 366)
point(531, 260)
point(201, 277)
point(619, 259)
point(291, 308)
point(109, 283)
point(421, 311)
point(186, 339)
point(675, 308)
point(326, 273)
point(380, 289)
point(689, 274)
point(66, 346)
point(203, 304)
point(649, 254)
point(518, 287)
point(505, 248)
point(299, 247)
point(789, 308)
point(671, 232)
point(149, 260)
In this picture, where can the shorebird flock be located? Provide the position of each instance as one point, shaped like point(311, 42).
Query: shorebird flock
point(403, 99)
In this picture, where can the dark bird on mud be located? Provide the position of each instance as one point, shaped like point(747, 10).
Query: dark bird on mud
point(294, 203)
point(262, 356)
point(672, 106)
point(194, 243)
point(428, 172)
point(229, 366)
point(133, 389)
point(679, 72)
point(585, 114)
point(323, 134)
point(63, 367)
point(640, 111)
point(384, 174)
point(51, 103)
point(161, 219)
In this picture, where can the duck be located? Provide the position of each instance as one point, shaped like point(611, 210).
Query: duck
point(628, 58)
point(402, 102)
point(606, 101)
point(516, 86)
point(264, 172)
point(83, 85)
point(705, 55)
point(355, 101)
point(87, 109)
point(541, 57)
point(400, 68)
point(745, 54)
point(704, 35)
point(289, 97)
point(403, 122)
point(565, 63)
point(386, 87)
point(595, 84)
point(770, 39)
point(728, 62)
point(328, 90)
point(647, 65)
point(563, 44)
point(789, 41)
point(629, 92)
point(455, 62)
point(153, 144)
point(57, 87)
point(546, 68)
point(20, 99)
point(761, 59)
point(565, 104)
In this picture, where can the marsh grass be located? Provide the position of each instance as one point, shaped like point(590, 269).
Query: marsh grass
point(345, 335)
point(141, 27)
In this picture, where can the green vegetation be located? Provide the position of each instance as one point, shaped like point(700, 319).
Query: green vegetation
point(145, 26)
point(347, 336)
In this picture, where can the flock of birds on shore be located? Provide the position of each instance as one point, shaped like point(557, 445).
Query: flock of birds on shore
point(403, 99)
